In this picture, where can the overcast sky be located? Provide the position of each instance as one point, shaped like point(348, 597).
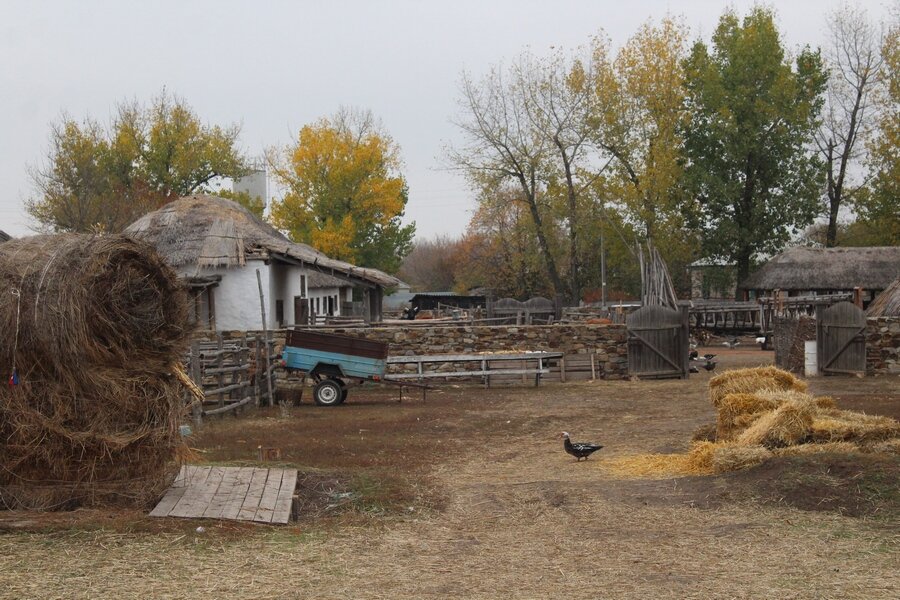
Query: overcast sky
point(275, 66)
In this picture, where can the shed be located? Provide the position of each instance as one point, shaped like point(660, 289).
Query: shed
point(217, 246)
point(816, 271)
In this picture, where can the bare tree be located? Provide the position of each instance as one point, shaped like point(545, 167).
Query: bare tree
point(502, 144)
point(558, 93)
point(855, 65)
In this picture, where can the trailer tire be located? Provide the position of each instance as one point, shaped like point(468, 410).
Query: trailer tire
point(328, 393)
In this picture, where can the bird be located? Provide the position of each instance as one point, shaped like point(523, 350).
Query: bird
point(693, 355)
point(694, 369)
point(579, 450)
point(709, 356)
point(732, 343)
point(709, 366)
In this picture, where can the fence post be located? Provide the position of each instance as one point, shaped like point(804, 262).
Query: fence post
point(197, 376)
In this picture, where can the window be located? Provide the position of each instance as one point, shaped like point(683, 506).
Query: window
point(279, 312)
point(303, 286)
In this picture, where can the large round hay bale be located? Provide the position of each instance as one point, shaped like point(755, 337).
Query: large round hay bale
point(95, 328)
point(751, 381)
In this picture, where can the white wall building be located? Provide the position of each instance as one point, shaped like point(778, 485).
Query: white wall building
point(218, 247)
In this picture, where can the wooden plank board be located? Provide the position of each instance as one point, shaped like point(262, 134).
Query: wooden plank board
point(254, 495)
point(270, 495)
point(198, 495)
point(222, 494)
point(240, 493)
point(282, 513)
point(168, 502)
point(194, 480)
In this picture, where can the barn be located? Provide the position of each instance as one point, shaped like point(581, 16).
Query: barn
point(217, 246)
point(804, 271)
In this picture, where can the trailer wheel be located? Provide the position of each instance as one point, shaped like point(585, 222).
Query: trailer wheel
point(328, 393)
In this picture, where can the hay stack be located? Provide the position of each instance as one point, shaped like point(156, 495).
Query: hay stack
point(751, 381)
point(833, 425)
point(95, 328)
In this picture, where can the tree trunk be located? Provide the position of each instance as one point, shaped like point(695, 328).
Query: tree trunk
point(529, 192)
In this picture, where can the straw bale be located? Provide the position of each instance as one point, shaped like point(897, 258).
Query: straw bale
point(734, 458)
point(738, 411)
point(830, 447)
point(98, 325)
point(891, 446)
point(789, 424)
point(833, 425)
point(750, 381)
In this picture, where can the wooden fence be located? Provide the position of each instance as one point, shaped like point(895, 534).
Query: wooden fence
point(231, 374)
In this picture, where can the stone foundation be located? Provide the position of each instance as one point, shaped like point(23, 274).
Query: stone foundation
point(883, 346)
point(607, 342)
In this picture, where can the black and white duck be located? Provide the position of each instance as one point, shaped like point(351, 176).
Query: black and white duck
point(578, 449)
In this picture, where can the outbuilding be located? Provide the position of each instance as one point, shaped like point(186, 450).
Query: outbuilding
point(804, 271)
point(222, 250)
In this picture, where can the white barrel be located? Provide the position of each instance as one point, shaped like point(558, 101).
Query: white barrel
point(810, 364)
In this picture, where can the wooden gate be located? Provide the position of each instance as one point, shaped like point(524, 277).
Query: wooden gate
point(841, 339)
point(658, 343)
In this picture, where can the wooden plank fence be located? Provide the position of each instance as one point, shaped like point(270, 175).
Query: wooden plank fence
point(231, 374)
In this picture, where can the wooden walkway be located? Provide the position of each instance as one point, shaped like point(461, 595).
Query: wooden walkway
point(237, 493)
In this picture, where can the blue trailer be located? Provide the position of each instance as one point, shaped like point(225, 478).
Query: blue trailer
point(335, 362)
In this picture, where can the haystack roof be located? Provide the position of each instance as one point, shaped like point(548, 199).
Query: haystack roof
point(208, 231)
point(802, 268)
point(887, 303)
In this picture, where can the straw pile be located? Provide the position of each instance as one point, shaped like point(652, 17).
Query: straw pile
point(94, 326)
point(766, 412)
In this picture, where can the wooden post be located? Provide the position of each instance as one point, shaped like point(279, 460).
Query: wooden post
point(257, 388)
point(593, 366)
point(220, 376)
point(197, 376)
point(262, 310)
point(562, 369)
point(686, 346)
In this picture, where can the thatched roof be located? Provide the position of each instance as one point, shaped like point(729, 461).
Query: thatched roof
point(4, 237)
point(208, 231)
point(887, 304)
point(804, 268)
point(322, 280)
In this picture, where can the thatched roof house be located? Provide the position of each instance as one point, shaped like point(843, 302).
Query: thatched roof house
point(218, 245)
point(804, 270)
point(887, 304)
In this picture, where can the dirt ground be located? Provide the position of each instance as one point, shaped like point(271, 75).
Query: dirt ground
point(469, 494)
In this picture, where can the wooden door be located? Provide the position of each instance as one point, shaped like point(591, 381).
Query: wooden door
point(841, 339)
point(658, 342)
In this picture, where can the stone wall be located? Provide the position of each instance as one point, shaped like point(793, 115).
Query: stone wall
point(883, 346)
point(788, 337)
point(607, 342)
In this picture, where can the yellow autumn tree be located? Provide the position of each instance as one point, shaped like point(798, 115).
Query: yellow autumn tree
point(345, 192)
point(638, 112)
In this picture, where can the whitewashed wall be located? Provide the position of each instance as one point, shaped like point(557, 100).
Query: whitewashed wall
point(236, 298)
point(323, 294)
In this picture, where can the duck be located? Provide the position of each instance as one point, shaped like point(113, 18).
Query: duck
point(578, 449)
point(732, 343)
